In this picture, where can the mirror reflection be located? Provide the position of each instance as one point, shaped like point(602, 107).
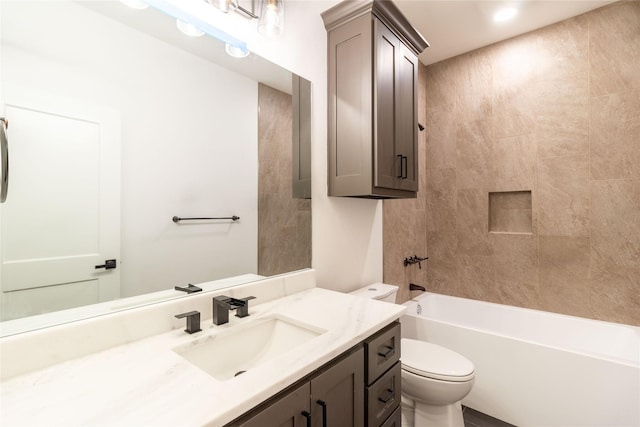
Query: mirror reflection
point(118, 123)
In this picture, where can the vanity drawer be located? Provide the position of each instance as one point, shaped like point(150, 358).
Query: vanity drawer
point(395, 419)
point(382, 351)
point(383, 397)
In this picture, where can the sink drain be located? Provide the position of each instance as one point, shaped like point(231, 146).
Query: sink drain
point(238, 373)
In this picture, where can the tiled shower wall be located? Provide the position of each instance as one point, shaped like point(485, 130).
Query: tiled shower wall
point(284, 223)
point(555, 112)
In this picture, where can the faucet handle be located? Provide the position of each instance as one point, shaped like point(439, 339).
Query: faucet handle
point(243, 310)
point(193, 321)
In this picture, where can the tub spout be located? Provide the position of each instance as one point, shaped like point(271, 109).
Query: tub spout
point(414, 287)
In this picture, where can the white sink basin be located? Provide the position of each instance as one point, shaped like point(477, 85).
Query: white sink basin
point(245, 346)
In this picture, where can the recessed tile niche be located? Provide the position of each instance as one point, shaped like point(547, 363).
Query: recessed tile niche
point(510, 212)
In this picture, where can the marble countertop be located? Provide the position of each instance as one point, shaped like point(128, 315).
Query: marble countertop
point(146, 383)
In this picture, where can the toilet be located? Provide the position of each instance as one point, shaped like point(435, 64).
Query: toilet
point(434, 381)
point(434, 378)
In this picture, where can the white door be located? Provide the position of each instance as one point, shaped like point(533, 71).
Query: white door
point(61, 218)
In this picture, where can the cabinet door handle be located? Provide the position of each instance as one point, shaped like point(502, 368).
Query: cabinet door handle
point(390, 351)
point(400, 156)
point(308, 417)
point(324, 412)
point(405, 159)
point(388, 397)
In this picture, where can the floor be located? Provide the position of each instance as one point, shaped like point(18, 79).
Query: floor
point(474, 418)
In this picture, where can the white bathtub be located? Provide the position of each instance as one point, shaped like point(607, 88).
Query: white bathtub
point(535, 368)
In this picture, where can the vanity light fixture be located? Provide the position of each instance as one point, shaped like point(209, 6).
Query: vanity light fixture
point(505, 14)
point(271, 21)
point(135, 4)
point(190, 23)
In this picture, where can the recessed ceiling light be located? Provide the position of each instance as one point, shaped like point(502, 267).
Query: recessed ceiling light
point(505, 14)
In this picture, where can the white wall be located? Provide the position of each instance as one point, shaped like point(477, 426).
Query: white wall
point(186, 136)
point(347, 233)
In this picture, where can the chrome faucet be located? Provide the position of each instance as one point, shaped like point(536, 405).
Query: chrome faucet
point(222, 304)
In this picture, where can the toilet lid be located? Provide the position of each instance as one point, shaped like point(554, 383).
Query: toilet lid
point(433, 361)
point(375, 291)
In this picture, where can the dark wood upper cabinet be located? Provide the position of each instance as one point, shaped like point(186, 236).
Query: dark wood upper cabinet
point(372, 100)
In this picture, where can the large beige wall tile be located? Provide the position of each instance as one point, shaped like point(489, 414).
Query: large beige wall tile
point(441, 199)
point(514, 63)
point(441, 84)
point(472, 223)
point(514, 80)
point(571, 301)
point(515, 163)
point(441, 266)
point(615, 223)
point(615, 291)
point(614, 48)
point(474, 155)
point(515, 263)
point(514, 111)
point(563, 49)
point(615, 135)
point(476, 278)
point(475, 77)
point(563, 186)
point(564, 262)
point(564, 268)
point(563, 116)
point(440, 128)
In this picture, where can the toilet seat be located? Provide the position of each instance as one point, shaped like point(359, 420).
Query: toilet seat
point(433, 361)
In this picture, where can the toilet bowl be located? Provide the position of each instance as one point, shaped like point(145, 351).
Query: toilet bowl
point(434, 381)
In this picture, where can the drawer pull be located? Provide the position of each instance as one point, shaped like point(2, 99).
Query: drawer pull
point(388, 397)
point(390, 352)
point(308, 417)
point(324, 412)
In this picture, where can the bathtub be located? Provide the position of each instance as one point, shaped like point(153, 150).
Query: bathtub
point(535, 368)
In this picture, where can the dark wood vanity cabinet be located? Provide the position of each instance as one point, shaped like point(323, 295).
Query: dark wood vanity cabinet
point(333, 396)
point(372, 97)
point(290, 410)
point(359, 388)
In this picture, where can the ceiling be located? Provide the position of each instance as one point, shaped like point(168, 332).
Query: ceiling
point(453, 27)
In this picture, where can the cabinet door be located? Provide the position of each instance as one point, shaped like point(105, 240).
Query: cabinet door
point(291, 410)
point(407, 118)
point(396, 112)
point(349, 119)
point(337, 395)
point(387, 162)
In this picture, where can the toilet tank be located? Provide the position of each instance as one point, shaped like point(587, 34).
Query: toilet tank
point(379, 291)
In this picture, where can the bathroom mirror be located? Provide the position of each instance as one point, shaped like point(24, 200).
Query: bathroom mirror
point(117, 124)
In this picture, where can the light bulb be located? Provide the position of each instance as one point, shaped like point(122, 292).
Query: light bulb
point(189, 29)
point(235, 51)
point(271, 18)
